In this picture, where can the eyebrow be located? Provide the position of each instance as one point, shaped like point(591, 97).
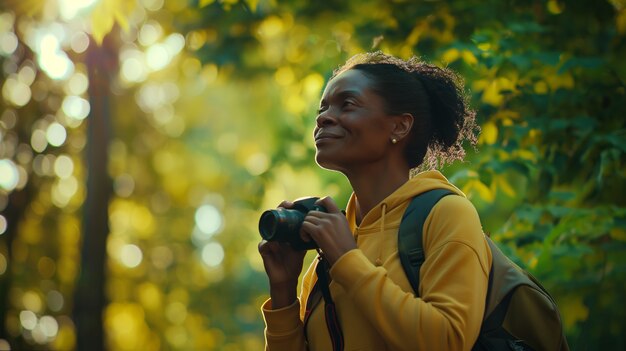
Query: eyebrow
point(345, 93)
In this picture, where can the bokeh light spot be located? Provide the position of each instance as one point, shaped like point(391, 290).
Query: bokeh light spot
point(149, 33)
point(72, 8)
point(3, 224)
point(3, 264)
point(49, 326)
point(79, 42)
point(8, 43)
point(63, 166)
point(78, 84)
point(153, 5)
point(16, 92)
point(131, 255)
point(208, 219)
point(76, 107)
point(212, 254)
point(257, 163)
point(176, 312)
point(52, 60)
point(174, 43)
point(124, 185)
point(162, 257)
point(56, 134)
point(63, 190)
point(55, 300)
point(32, 301)
point(38, 140)
point(157, 57)
point(133, 70)
point(9, 176)
point(28, 319)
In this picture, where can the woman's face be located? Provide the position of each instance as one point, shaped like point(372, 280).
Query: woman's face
point(352, 130)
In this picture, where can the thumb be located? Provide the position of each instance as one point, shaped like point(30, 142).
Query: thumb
point(329, 204)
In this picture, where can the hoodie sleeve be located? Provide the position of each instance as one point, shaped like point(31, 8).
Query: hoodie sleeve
point(284, 329)
point(453, 284)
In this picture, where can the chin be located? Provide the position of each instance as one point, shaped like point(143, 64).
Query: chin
point(327, 164)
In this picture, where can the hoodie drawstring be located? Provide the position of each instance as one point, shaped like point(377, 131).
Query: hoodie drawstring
point(379, 261)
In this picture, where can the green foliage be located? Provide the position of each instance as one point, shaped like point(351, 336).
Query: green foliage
point(227, 123)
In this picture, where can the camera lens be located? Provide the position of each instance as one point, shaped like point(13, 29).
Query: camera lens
point(280, 224)
point(268, 224)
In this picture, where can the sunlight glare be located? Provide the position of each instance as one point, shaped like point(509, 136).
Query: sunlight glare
point(52, 59)
point(69, 9)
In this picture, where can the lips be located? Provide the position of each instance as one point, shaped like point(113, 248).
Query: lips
point(325, 135)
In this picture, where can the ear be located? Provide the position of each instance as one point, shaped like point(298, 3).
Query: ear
point(402, 126)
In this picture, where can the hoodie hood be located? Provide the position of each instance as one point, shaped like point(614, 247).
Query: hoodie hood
point(397, 201)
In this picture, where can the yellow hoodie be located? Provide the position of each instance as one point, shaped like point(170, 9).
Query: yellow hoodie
point(376, 305)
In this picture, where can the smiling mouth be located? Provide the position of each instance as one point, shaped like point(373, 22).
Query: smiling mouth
point(324, 136)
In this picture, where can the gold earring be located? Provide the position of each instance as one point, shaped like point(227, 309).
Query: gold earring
point(394, 140)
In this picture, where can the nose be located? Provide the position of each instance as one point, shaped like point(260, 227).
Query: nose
point(325, 119)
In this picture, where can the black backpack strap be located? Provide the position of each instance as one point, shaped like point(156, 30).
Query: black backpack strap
point(410, 247)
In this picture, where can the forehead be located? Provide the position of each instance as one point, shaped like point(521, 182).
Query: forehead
point(351, 80)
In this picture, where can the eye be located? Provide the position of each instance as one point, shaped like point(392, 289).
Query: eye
point(322, 109)
point(348, 104)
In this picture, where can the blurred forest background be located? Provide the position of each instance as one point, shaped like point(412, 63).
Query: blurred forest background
point(141, 139)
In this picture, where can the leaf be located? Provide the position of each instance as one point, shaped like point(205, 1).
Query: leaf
point(489, 133)
point(582, 62)
point(573, 310)
point(618, 234)
point(204, 3)
point(106, 14)
point(478, 187)
point(252, 4)
point(502, 184)
point(526, 27)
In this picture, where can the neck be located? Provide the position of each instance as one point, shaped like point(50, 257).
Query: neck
point(372, 186)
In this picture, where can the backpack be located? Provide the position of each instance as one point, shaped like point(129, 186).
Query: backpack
point(519, 313)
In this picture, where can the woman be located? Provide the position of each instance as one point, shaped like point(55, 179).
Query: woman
point(379, 118)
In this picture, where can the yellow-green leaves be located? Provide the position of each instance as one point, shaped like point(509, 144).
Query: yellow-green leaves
point(107, 13)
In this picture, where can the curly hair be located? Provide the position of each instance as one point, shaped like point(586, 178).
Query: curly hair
point(434, 96)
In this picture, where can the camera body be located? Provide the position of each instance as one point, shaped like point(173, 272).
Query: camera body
point(283, 224)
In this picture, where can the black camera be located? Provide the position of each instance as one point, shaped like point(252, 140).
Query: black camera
point(283, 224)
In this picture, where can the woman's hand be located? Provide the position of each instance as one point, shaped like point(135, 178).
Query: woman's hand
point(283, 266)
point(329, 230)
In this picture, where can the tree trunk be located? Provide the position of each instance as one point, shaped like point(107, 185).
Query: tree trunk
point(90, 300)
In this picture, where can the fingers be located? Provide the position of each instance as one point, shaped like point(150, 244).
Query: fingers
point(286, 204)
point(329, 204)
